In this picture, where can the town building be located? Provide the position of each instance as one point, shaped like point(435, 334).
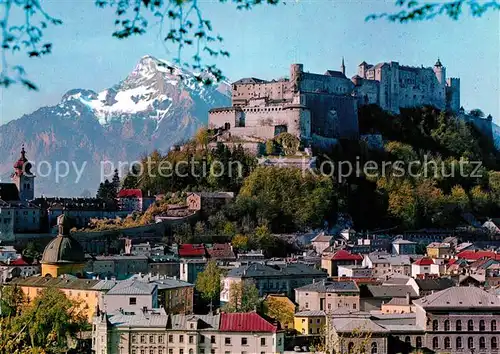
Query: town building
point(341, 257)
point(459, 319)
point(328, 296)
point(322, 242)
point(398, 305)
point(134, 200)
point(422, 266)
point(133, 295)
point(439, 250)
point(281, 302)
point(493, 226)
point(354, 271)
point(271, 279)
point(154, 331)
point(117, 266)
point(88, 292)
point(13, 268)
point(310, 322)
point(403, 247)
point(373, 296)
point(383, 264)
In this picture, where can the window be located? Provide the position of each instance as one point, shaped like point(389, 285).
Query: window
point(170, 338)
point(181, 338)
point(447, 344)
point(482, 343)
point(307, 305)
point(374, 348)
point(191, 339)
point(407, 339)
point(227, 341)
point(132, 301)
point(202, 339)
point(318, 320)
point(447, 325)
point(354, 306)
point(244, 341)
point(212, 351)
point(418, 342)
point(212, 339)
point(151, 339)
point(191, 351)
point(470, 342)
point(458, 325)
point(470, 325)
point(435, 325)
point(170, 351)
point(493, 325)
point(181, 351)
point(263, 342)
point(143, 339)
point(160, 339)
point(202, 350)
point(482, 326)
point(134, 338)
point(151, 351)
point(435, 343)
point(350, 347)
point(160, 351)
point(459, 343)
point(494, 343)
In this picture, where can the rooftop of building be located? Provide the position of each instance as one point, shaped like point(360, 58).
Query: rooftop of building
point(310, 314)
point(63, 248)
point(192, 250)
point(384, 258)
point(424, 261)
point(464, 297)
point(439, 245)
point(221, 251)
point(255, 270)
point(400, 241)
point(132, 287)
point(60, 283)
point(245, 322)
point(327, 286)
point(343, 255)
point(150, 318)
point(162, 282)
point(321, 237)
point(350, 324)
point(382, 291)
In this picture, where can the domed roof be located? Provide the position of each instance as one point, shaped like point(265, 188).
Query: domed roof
point(22, 164)
point(63, 248)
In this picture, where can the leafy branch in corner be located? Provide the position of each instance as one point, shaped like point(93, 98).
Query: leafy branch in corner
point(181, 22)
point(412, 10)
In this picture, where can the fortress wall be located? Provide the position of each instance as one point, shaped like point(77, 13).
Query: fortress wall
point(218, 118)
point(368, 92)
point(453, 94)
point(323, 83)
point(274, 90)
point(332, 116)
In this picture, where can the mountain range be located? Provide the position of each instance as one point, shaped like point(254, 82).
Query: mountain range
point(157, 105)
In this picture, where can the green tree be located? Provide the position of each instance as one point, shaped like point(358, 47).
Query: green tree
point(459, 197)
point(279, 310)
point(243, 297)
point(270, 147)
point(479, 200)
point(131, 180)
point(116, 181)
point(240, 242)
point(106, 191)
point(202, 138)
point(50, 322)
point(208, 282)
point(11, 300)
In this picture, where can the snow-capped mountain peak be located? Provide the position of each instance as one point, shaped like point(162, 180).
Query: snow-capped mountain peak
point(149, 91)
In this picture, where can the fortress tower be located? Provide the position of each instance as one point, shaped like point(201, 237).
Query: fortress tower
point(24, 178)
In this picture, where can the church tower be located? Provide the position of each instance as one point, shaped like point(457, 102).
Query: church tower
point(342, 67)
point(24, 178)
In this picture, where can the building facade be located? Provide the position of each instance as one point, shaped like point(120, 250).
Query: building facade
point(328, 296)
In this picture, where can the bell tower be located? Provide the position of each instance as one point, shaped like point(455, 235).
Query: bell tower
point(342, 66)
point(24, 178)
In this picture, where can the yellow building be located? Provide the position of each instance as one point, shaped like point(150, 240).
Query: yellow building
point(439, 250)
point(88, 292)
point(280, 308)
point(63, 255)
point(309, 322)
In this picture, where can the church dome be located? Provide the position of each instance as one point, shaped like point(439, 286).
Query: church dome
point(64, 248)
point(22, 164)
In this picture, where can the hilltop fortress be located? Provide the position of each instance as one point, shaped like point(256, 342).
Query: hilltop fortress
point(326, 105)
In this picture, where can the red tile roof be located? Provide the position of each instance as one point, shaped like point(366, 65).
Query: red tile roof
point(191, 250)
point(19, 262)
point(475, 255)
point(129, 193)
point(221, 251)
point(343, 255)
point(424, 261)
point(245, 322)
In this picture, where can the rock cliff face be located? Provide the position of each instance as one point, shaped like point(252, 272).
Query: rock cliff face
point(154, 107)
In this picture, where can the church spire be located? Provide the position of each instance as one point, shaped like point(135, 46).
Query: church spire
point(342, 67)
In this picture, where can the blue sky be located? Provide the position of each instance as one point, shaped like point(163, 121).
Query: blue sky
point(263, 43)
